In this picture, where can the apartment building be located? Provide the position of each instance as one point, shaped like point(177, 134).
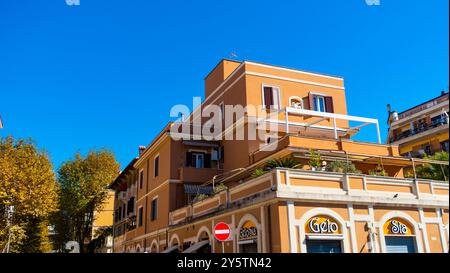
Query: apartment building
point(422, 129)
point(103, 220)
point(171, 196)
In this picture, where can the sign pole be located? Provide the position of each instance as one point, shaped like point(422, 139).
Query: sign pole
point(223, 246)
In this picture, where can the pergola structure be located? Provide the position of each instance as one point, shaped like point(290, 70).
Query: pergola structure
point(321, 116)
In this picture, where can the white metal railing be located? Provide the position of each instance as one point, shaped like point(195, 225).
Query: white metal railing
point(323, 116)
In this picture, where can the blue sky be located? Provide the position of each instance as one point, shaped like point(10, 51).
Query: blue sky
point(107, 72)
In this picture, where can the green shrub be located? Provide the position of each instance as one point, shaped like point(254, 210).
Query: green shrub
point(219, 188)
point(258, 172)
point(286, 162)
point(342, 167)
point(378, 171)
point(200, 197)
point(314, 159)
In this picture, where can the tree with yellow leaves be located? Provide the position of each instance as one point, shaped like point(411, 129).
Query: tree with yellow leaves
point(27, 183)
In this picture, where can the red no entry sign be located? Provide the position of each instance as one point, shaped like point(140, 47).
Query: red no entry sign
point(222, 231)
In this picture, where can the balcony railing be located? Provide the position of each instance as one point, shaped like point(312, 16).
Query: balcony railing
point(293, 183)
point(420, 129)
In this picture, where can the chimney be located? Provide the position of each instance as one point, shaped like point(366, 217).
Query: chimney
point(389, 108)
point(443, 92)
point(141, 149)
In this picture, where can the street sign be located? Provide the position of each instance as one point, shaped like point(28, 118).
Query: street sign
point(222, 231)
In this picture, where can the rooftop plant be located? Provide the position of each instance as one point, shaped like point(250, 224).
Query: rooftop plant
point(342, 167)
point(378, 171)
point(314, 159)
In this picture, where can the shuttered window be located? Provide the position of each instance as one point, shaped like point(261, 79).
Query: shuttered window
point(321, 103)
point(400, 244)
point(271, 98)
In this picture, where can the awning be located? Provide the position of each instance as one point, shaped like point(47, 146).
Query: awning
point(197, 189)
point(170, 249)
point(196, 246)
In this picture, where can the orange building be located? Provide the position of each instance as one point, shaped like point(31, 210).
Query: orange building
point(329, 193)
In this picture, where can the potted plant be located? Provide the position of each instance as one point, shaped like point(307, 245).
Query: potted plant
point(314, 160)
point(342, 167)
point(378, 171)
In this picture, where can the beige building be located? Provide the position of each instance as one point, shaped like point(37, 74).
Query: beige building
point(343, 195)
point(422, 129)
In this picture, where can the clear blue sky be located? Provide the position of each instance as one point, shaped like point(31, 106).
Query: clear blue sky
point(107, 72)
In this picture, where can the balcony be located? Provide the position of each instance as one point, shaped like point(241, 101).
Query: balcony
point(441, 123)
point(315, 186)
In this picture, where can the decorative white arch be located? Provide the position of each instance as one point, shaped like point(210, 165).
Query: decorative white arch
point(200, 231)
point(297, 98)
point(402, 215)
point(154, 242)
point(138, 248)
point(327, 212)
point(174, 236)
point(245, 218)
point(128, 250)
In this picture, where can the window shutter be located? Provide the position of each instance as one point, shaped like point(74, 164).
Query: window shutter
point(329, 105)
point(268, 97)
point(188, 159)
point(311, 101)
point(207, 161)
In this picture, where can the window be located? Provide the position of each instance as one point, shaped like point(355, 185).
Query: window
point(156, 166)
point(271, 97)
point(321, 103)
point(141, 179)
point(198, 160)
point(141, 213)
point(444, 146)
point(154, 211)
point(124, 211)
point(120, 213)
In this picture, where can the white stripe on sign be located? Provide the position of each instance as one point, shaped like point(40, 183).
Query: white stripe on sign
point(222, 231)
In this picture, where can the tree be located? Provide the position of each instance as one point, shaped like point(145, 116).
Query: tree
point(434, 171)
point(27, 183)
point(83, 183)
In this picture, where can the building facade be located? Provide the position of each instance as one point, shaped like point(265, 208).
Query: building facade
point(342, 195)
point(422, 129)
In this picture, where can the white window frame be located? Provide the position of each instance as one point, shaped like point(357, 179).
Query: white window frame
point(194, 154)
point(278, 107)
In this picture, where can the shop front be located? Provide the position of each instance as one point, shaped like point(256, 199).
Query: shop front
point(323, 235)
point(248, 238)
point(399, 236)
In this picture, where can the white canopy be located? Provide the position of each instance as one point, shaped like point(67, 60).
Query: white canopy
point(170, 249)
point(196, 246)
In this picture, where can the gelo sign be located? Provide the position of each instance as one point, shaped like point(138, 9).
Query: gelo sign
point(397, 226)
point(248, 231)
point(322, 224)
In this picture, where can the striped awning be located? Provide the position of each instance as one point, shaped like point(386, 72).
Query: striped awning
point(197, 189)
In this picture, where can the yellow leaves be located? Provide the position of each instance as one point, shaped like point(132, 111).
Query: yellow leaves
point(27, 182)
